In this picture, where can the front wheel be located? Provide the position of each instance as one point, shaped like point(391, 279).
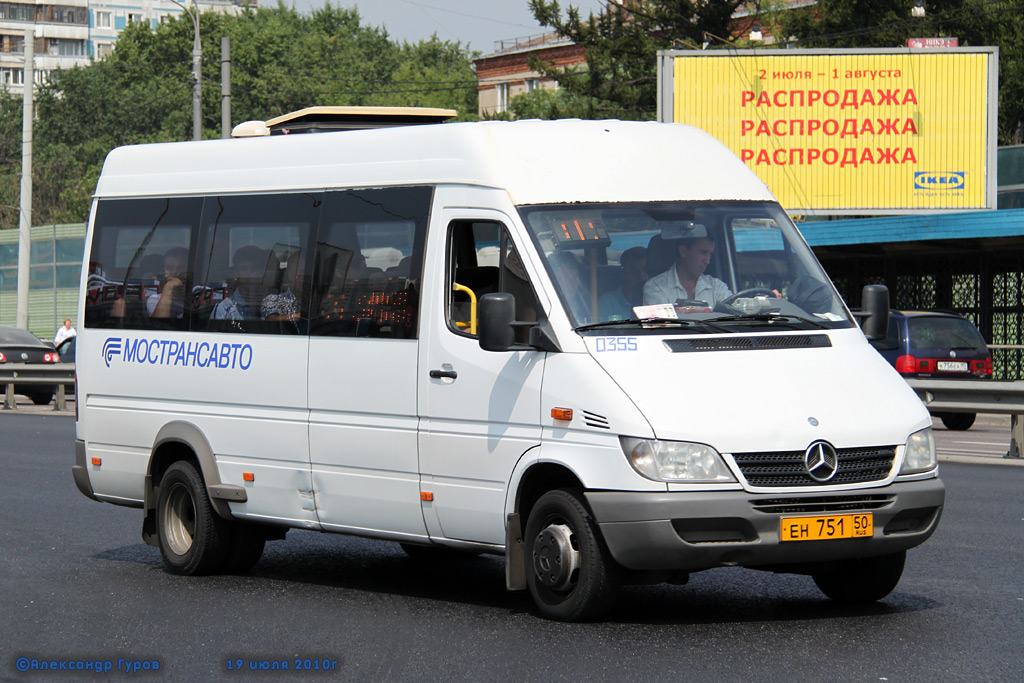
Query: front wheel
point(570, 574)
point(193, 539)
point(860, 581)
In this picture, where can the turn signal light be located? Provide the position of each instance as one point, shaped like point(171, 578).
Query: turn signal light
point(97, 461)
point(562, 413)
point(426, 496)
point(248, 476)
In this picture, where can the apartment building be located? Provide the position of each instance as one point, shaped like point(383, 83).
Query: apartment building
point(70, 33)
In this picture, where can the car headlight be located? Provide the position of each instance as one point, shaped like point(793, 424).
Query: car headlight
point(920, 455)
point(675, 460)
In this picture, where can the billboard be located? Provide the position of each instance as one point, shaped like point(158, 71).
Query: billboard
point(848, 131)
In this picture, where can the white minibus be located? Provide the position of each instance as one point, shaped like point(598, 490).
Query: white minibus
point(599, 349)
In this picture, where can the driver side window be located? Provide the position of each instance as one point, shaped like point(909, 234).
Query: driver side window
point(483, 260)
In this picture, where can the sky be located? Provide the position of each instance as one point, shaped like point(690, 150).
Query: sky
point(477, 22)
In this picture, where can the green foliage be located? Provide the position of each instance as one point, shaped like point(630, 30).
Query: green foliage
point(142, 93)
point(619, 80)
point(888, 23)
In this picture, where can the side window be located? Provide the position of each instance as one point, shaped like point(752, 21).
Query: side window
point(369, 261)
point(139, 265)
point(482, 259)
point(253, 266)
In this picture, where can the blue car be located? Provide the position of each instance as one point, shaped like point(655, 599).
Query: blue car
point(936, 345)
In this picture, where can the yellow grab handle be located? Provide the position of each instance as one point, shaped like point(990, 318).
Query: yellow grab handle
point(472, 307)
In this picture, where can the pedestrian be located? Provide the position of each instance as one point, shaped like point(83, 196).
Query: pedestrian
point(65, 331)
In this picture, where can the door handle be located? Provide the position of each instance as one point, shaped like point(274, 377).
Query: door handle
point(443, 374)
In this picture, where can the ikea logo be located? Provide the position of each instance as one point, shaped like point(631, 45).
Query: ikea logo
point(939, 181)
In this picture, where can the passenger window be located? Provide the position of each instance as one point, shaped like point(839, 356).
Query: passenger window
point(253, 266)
point(482, 259)
point(369, 260)
point(139, 269)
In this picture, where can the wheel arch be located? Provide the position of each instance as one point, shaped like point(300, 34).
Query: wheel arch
point(176, 441)
point(535, 480)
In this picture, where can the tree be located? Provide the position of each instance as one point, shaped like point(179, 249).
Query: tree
point(282, 61)
point(620, 79)
point(888, 23)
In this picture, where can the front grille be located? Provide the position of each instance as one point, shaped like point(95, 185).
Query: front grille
point(786, 468)
point(820, 504)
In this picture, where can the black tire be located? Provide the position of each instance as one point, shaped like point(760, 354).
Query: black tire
point(245, 548)
point(432, 553)
point(193, 540)
point(41, 399)
point(958, 422)
point(865, 580)
point(569, 571)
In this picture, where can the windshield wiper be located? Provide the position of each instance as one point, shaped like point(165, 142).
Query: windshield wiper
point(771, 318)
point(681, 322)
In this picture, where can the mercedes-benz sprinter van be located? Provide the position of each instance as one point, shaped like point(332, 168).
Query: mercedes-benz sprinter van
point(600, 349)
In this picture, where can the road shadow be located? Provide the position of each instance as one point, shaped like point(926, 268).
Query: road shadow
point(722, 596)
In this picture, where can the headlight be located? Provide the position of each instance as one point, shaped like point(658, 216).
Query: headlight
point(675, 460)
point(920, 456)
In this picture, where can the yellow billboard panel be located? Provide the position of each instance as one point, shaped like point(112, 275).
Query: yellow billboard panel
point(848, 131)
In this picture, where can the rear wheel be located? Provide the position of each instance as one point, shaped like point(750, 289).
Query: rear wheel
point(958, 421)
point(865, 580)
point(569, 572)
point(193, 539)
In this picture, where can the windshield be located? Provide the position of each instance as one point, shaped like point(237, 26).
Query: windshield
point(693, 266)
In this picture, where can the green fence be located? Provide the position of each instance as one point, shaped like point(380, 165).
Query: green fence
point(54, 275)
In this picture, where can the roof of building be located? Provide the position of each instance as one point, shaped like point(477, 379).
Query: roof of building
point(945, 226)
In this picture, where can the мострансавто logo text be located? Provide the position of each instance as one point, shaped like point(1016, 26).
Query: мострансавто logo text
point(172, 352)
point(924, 180)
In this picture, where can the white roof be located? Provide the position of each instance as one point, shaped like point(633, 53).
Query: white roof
point(536, 162)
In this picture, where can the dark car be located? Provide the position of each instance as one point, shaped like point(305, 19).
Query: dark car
point(936, 345)
point(19, 346)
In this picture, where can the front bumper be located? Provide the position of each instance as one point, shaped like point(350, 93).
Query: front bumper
point(691, 531)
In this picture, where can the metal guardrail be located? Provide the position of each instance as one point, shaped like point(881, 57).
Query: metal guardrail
point(977, 396)
point(57, 375)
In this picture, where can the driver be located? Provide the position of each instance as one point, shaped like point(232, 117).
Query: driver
point(687, 279)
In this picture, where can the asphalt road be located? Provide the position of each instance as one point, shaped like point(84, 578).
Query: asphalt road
point(78, 586)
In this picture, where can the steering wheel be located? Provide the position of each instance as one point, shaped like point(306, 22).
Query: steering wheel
point(753, 291)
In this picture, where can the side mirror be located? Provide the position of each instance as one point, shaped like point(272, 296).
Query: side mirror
point(874, 302)
point(495, 315)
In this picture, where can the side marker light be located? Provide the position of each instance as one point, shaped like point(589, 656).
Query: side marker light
point(248, 476)
point(562, 413)
point(426, 496)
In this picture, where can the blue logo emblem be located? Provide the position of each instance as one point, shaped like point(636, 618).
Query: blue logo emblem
point(170, 352)
point(111, 348)
point(939, 181)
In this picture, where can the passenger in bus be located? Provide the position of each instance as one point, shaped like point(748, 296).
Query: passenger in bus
point(283, 305)
point(686, 279)
point(618, 303)
point(170, 301)
point(243, 303)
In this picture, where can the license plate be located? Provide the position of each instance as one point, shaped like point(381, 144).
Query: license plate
point(952, 366)
point(826, 528)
